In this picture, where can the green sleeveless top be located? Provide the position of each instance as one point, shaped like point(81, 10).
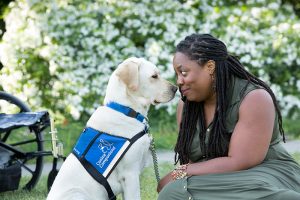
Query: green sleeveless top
point(238, 90)
point(277, 177)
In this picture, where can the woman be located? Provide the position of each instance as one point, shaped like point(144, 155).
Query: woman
point(229, 138)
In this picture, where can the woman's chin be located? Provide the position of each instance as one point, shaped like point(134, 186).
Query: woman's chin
point(192, 98)
point(189, 98)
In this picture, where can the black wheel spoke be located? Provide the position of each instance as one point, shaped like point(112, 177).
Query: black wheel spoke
point(6, 135)
point(27, 168)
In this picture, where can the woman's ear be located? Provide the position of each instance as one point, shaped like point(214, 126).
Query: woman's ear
point(210, 66)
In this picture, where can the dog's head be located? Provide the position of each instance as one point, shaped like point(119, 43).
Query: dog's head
point(137, 83)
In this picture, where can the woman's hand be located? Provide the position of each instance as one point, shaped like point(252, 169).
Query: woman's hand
point(164, 181)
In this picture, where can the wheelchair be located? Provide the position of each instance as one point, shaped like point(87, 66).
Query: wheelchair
point(22, 144)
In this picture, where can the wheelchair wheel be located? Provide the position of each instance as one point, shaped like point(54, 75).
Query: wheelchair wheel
point(23, 139)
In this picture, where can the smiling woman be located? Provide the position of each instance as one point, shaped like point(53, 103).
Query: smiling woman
point(230, 124)
point(195, 81)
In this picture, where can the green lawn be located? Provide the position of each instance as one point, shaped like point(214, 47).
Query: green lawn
point(297, 157)
point(148, 187)
point(165, 137)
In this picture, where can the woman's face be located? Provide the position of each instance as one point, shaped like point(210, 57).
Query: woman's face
point(194, 81)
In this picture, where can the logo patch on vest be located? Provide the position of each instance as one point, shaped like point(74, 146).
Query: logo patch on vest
point(100, 149)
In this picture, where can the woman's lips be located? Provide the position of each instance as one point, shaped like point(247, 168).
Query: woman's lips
point(184, 91)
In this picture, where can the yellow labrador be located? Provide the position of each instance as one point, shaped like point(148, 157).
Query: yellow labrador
point(132, 88)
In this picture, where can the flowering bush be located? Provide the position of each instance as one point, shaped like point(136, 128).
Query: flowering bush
point(59, 54)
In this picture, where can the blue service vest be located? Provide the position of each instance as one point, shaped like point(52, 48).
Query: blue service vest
point(100, 149)
point(100, 153)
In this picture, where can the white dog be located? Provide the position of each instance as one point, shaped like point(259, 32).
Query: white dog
point(136, 83)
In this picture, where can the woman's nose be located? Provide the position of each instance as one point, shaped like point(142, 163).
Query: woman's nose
point(179, 81)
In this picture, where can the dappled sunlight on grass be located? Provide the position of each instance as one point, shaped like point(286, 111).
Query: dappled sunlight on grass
point(38, 193)
point(296, 156)
point(148, 186)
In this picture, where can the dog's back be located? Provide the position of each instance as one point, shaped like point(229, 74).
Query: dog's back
point(74, 182)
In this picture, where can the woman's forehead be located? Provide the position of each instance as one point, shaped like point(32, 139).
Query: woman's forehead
point(181, 60)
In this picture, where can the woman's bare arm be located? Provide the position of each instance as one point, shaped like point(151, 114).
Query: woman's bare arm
point(249, 142)
point(250, 139)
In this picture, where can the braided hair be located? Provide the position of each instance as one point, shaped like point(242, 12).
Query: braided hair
point(202, 48)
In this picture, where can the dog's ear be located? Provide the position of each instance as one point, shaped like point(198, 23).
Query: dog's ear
point(128, 72)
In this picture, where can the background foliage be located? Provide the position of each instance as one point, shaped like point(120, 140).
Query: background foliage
point(58, 55)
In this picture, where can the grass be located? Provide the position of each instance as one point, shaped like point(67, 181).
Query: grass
point(38, 193)
point(165, 137)
point(148, 187)
point(297, 157)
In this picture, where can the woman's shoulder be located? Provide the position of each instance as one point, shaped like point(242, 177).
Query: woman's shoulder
point(258, 96)
point(241, 88)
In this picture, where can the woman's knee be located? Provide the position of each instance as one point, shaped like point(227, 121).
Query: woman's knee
point(174, 190)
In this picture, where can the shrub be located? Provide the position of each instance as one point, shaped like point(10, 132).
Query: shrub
point(59, 54)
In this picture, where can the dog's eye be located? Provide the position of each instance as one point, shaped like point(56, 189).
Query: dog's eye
point(155, 76)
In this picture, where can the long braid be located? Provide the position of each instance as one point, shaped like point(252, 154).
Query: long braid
point(202, 48)
point(218, 144)
point(188, 123)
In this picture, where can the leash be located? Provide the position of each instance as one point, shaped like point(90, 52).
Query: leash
point(132, 113)
point(153, 151)
point(154, 156)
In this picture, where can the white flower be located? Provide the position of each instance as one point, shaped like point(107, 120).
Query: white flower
point(74, 112)
point(283, 27)
point(296, 27)
point(245, 59)
point(84, 41)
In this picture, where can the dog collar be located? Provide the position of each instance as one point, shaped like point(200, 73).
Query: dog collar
point(127, 111)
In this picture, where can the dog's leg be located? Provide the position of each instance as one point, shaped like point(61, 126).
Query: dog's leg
point(131, 187)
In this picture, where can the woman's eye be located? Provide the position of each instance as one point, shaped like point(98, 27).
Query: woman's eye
point(184, 73)
point(155, 76)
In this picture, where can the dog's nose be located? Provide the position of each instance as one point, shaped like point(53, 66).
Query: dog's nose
point(174, 88)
